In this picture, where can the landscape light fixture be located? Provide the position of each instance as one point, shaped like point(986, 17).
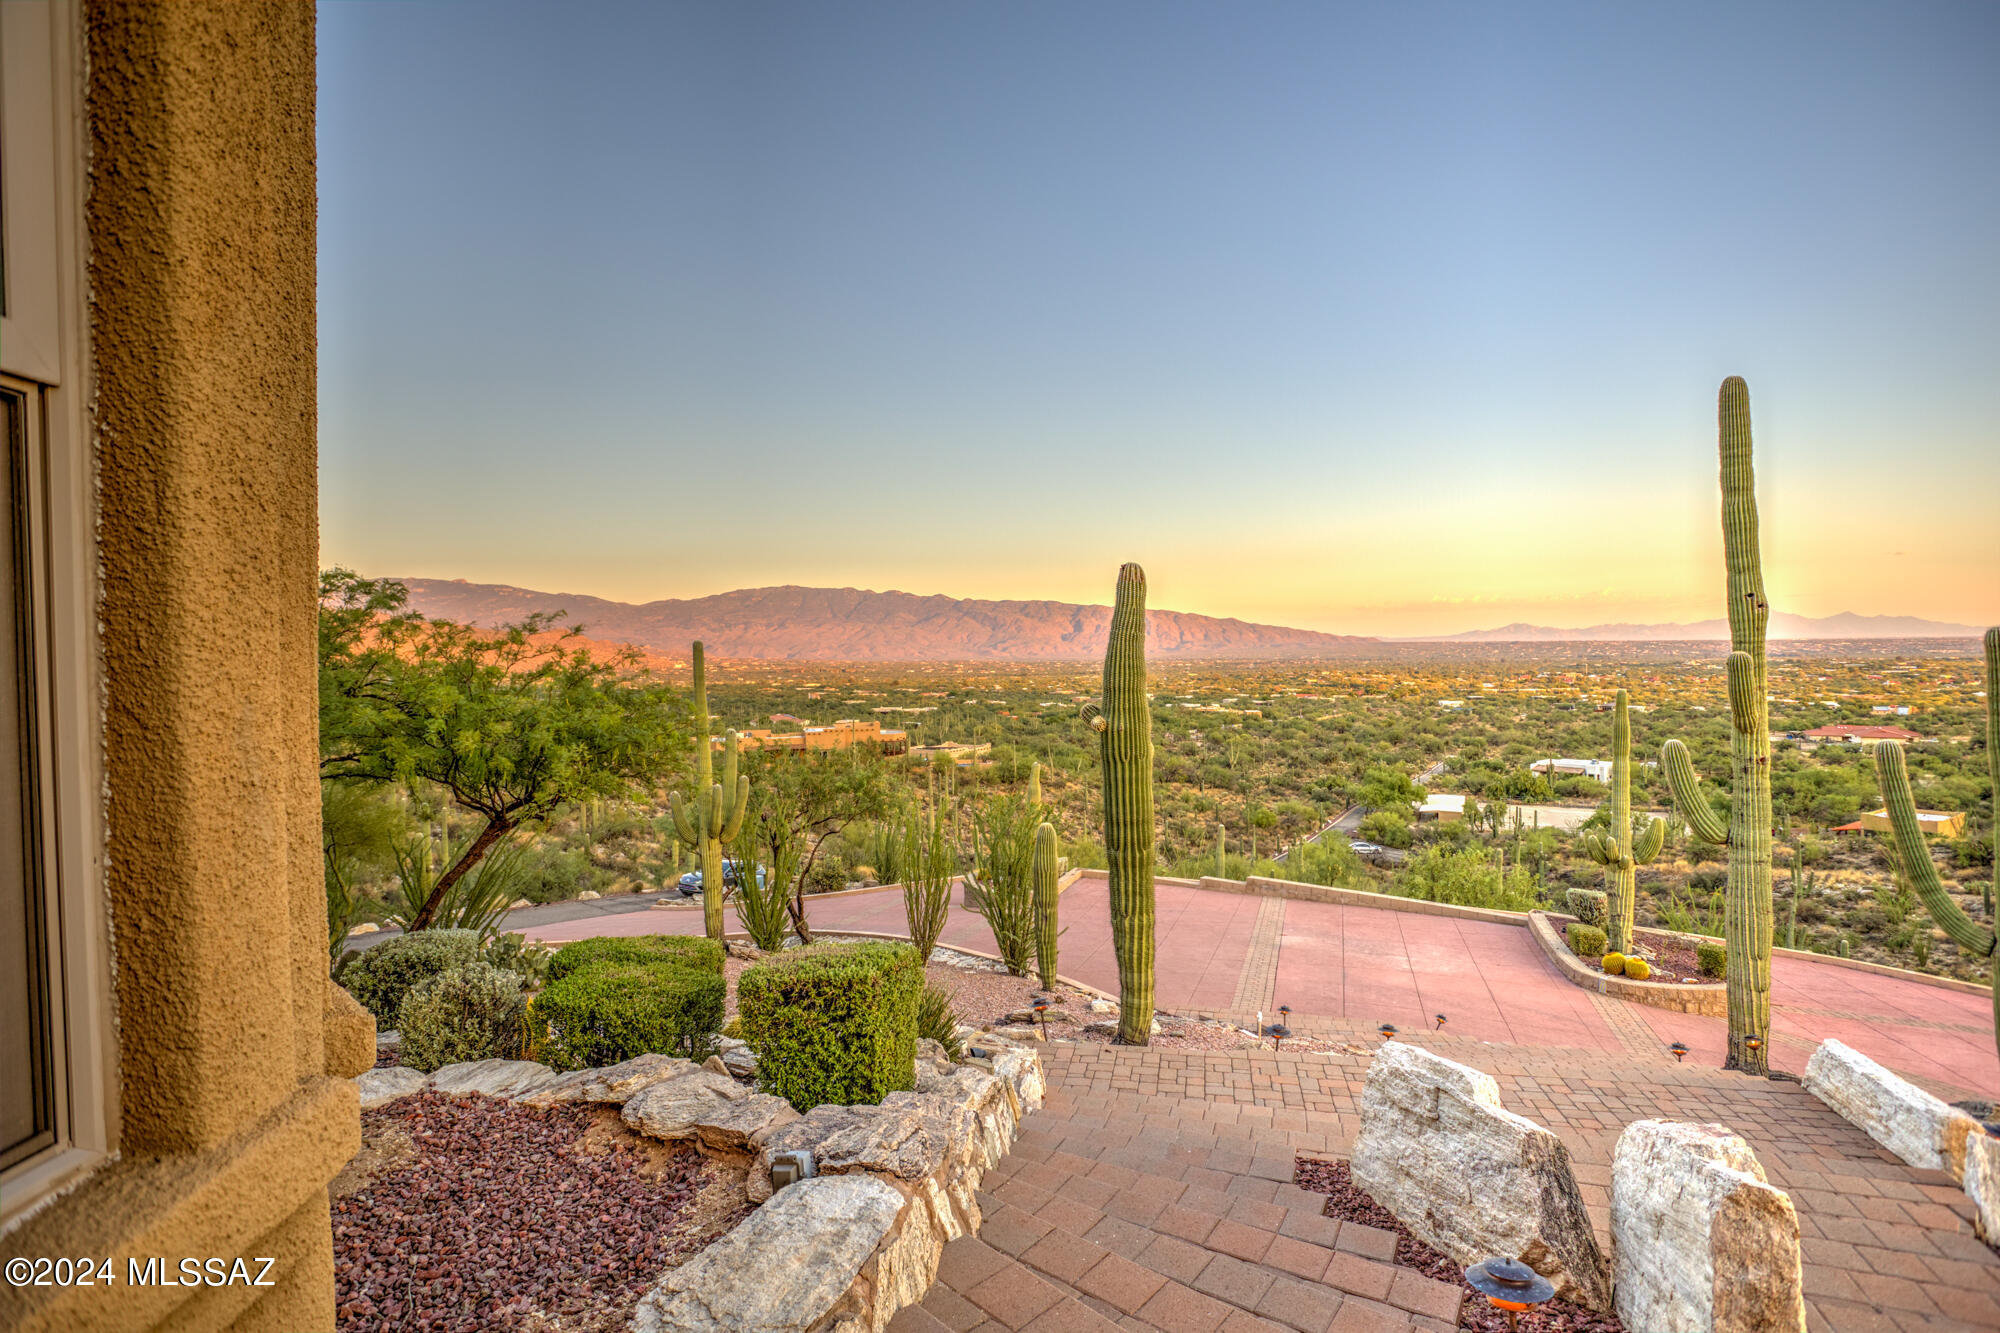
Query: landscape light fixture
point(1753, 1043)
point(1388, 1031)
point(1440, 1022)
point(1511, 1285)
point(1042, 1014)
point(1679, 1049)
point(790, 1167)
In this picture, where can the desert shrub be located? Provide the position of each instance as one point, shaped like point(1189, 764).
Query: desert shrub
point(525, 958)
point(834, 1023)
point(1707, 880)
point(381, 976)
point(1613, 964)
point(937, 1019)
point(694, 951)
point(1388, 828)
point(1467, 877)
point(1638, 969)
point(1589, 906)
point(474, 1011)
point(612, 1011)
point(1713, 957)
point(1585, 941)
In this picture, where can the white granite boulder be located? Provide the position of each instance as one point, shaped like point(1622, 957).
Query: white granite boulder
point(1471, 1178)
point(1981, 1182)
point(711, 1108)
point(1701, 1243)
point(611, 1084)
point(379, 1087)
point(1917, 1127)
point(494, 1078)
point(792, 1266)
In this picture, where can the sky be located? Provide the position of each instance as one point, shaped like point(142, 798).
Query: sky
point(1375, 319)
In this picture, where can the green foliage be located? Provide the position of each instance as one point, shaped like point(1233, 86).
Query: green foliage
point(1002, 876)
point(612, 1011)
point(476, 902)
point(1389, 791)
point(927, 863)
point(834, 1023)
point(514, 723)
point(1590, 906)
point(379, 977)
point(817, 795)
point(358, 830)
point(937, 1020)
point(770, 855)
point(1123, 721)
point(470, 1012)
point(1389, 828)
point(1466, 876)
point(713, 814)
point(691, 951)
point(1713, 958)
point(1045, 872)
point(1585, 941)
point(527, 959)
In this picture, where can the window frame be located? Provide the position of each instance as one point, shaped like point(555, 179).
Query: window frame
point(50, 369)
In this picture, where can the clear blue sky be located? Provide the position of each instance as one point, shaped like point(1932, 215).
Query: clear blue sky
point(1381, 319)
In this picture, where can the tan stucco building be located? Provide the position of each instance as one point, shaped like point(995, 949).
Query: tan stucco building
point(173, 1060)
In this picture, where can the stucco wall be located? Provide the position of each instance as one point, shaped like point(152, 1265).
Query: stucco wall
point(201, 217)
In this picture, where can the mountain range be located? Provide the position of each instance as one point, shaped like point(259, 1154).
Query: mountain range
point(792, 623)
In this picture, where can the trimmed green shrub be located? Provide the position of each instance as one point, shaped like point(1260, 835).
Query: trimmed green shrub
point(834, 1023)
point(696, 951)
point(525, 958)
point(608, 1012)
point(1586, 941)
point(1712, 956)
point(1613, 964)
point(937, 1020)
point(1589, 906)
point(473, 1012)
point(1638, 969)
point(381, 976)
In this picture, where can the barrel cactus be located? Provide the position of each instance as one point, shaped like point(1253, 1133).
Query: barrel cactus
point(1747, 922)
point(1124, 724)
point(1617, 850)
point(715, 815)
point(1913, 854)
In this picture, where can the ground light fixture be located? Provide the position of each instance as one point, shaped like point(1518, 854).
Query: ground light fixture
point(1511, 1285)
point(1439, 1020)
point(1388, 1031)
point(1678, 1049)
point(1042, 1014)
point(1753, 1043)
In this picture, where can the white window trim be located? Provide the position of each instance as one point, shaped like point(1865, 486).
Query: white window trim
point(46, 355)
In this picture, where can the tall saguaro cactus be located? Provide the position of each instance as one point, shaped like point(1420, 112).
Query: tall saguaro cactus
point(715, 814)
point(1908, 835)
point(1124, 724)
point(1747, 906)
point(1617, 850)
point(1046, 870)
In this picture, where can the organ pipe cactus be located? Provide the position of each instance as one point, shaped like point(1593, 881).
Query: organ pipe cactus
point(1046, 870)
point(1617, 850)
point(1124, 723)
point(1908, 835)
point(1747, 923)
point(715, 813)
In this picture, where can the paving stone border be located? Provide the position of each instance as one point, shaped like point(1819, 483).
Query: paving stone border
point(839, 1252)
point(1710, 1000)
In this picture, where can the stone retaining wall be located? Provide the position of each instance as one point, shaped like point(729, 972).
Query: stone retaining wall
point(1682, 997)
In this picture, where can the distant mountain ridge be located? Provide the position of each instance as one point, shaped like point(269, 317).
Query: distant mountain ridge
point(792, 623)
point(1846, 625)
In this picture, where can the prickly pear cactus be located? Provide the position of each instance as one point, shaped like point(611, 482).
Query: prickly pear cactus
point(1617, 850)
point(1747, 921)
point(715, 814)
point(1124, 724)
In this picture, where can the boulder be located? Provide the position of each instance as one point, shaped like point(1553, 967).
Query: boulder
point(379, 1087)
point(671, 1108)
point(494, 1078)
point(714, 1065)
point(1899, 1115)
point(363, 928)
point(1981, 1182)
point(519, 903)
point(1021, 1070)
point(588, 896)
point(1103, 1007)
point(1471, 1178)
point(791, 1266)
point(612, 1084)
point(742, 1126)
point(1701, 1241)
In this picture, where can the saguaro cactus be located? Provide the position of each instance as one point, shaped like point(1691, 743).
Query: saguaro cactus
point(1747, 907)
point(1617, 850)
point(1047, 865)
point(1124, 724)
point(1035, 784)
point(1908, 835)
point(715, 813)
point(1221, 852)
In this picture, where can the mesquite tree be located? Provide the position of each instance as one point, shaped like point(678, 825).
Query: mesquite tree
point(1747, 921)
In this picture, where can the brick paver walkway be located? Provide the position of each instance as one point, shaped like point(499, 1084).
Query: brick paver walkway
point(1153, 1192)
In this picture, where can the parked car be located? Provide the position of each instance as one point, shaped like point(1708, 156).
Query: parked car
point(1364, 848)
point(690, 883)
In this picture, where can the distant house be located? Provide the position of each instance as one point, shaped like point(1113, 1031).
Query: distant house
point(1899, 710)
point(1442, 808)
point(1934, 823)
point(1847, 733)
point(833, 736)
point(1587, 768)
point(1453, 704)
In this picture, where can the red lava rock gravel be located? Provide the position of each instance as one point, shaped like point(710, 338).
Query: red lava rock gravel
point(1350, 1203)
point(486, 1215)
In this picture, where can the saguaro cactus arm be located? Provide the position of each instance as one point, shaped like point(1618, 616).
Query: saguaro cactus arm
point(1746, 693)
point(683, 824)
point(1093, 717)
point(1689, 798)
point(1647, 845)
point(1915, 857)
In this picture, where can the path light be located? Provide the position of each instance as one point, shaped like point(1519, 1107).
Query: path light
point(1511, 1285)
point(1753, 1043)
point(1388, 1031)
point(1440, 1022)
point(1679, 1049)
point(1042, 1014)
